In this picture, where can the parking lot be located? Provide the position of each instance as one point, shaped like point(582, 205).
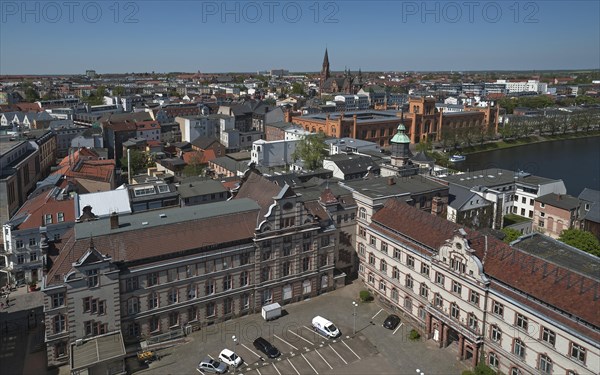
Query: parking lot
point(303, 351)
point(372, 349)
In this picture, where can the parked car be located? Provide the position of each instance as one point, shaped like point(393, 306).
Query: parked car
point(210, 365)
point(266, 347)
point(229, 357)
point(325, 327)
point(391, 322)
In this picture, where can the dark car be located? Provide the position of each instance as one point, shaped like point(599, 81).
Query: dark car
point(266, 347)
point(391, 322)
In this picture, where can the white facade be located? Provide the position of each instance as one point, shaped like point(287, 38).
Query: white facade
point(193, 127)
point(448, 294)
point(273, 153)
point(353, 102)
point(525, 86)
point(295, 134)
point(526, 194)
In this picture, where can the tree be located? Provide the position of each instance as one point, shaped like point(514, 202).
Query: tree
point(511, 234)
point(140, 160)
point(582, 240)
point(298, 89)
point(311, 150)
point(31, 95)
point(424, 146)
point(195, 166)
point(118, 91)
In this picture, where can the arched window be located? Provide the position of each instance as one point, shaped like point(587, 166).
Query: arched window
point(545, 364)
point(494, 361)
point(408, 303)
point(519, 348)
point(362, 213)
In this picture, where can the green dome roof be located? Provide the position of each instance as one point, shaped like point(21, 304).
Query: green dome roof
point(400, 136)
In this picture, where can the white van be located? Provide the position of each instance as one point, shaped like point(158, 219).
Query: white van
point(325, 327)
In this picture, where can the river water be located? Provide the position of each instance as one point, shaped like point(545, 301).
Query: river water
point(575, 161)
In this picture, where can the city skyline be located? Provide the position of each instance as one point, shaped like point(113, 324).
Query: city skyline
point(219, 37)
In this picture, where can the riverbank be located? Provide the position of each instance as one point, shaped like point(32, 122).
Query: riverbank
point(526, 141)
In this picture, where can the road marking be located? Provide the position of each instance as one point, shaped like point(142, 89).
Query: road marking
point(210, 356)
point(290, 362)
point(377, 314)
point(257, 370)
point(276, 369)
point(197, 369)
point(397, 328)
point(286, 342)
point(338, 354)
point(310, 329)
point(323, 358)
point(351, 350)
point(311, 366)
point(251, 351)
point(295, 334)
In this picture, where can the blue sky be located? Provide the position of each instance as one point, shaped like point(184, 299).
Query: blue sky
point(47, 37)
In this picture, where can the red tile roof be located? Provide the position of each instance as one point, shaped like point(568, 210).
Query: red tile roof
point(45, 204)
point(545, 281)
point(158, 241)
point(147, 125)
point(26, 107)
point(204, 157)
point(259, 189)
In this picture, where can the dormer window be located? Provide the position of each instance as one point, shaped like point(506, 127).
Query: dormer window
point(92, 278)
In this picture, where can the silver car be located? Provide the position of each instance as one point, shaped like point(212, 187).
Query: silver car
point(210, 365)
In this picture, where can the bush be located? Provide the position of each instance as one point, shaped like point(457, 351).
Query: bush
point(414, 335)
point(365, 296)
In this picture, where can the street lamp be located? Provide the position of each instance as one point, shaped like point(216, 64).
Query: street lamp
point(234, 350)
point(354, 304)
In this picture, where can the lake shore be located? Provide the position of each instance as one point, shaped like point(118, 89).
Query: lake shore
point(526, 141)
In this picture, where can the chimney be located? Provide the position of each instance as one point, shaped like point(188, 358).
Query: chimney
point(391, 181)
point(114, 221)
point(436, 206)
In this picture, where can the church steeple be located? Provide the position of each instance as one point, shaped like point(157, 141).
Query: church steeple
point(325, 70)
point(325, 74)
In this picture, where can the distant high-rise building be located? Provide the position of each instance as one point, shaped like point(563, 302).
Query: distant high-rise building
point(90, 73)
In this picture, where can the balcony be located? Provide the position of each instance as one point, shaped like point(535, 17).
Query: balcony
point(473, 335)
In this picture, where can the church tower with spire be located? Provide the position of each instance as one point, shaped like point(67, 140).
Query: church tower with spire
point(325, 74)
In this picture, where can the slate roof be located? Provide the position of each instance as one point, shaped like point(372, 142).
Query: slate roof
point(562, 201)
point(495, 177)
point(351, 164)
point(379, 187)
point(458, 196)
point(593, 198)
point(193, 187)
point(204, 142)
point(539, 268)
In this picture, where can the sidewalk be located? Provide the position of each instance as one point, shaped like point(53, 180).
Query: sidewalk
point(22, 333)
point(23, 299)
